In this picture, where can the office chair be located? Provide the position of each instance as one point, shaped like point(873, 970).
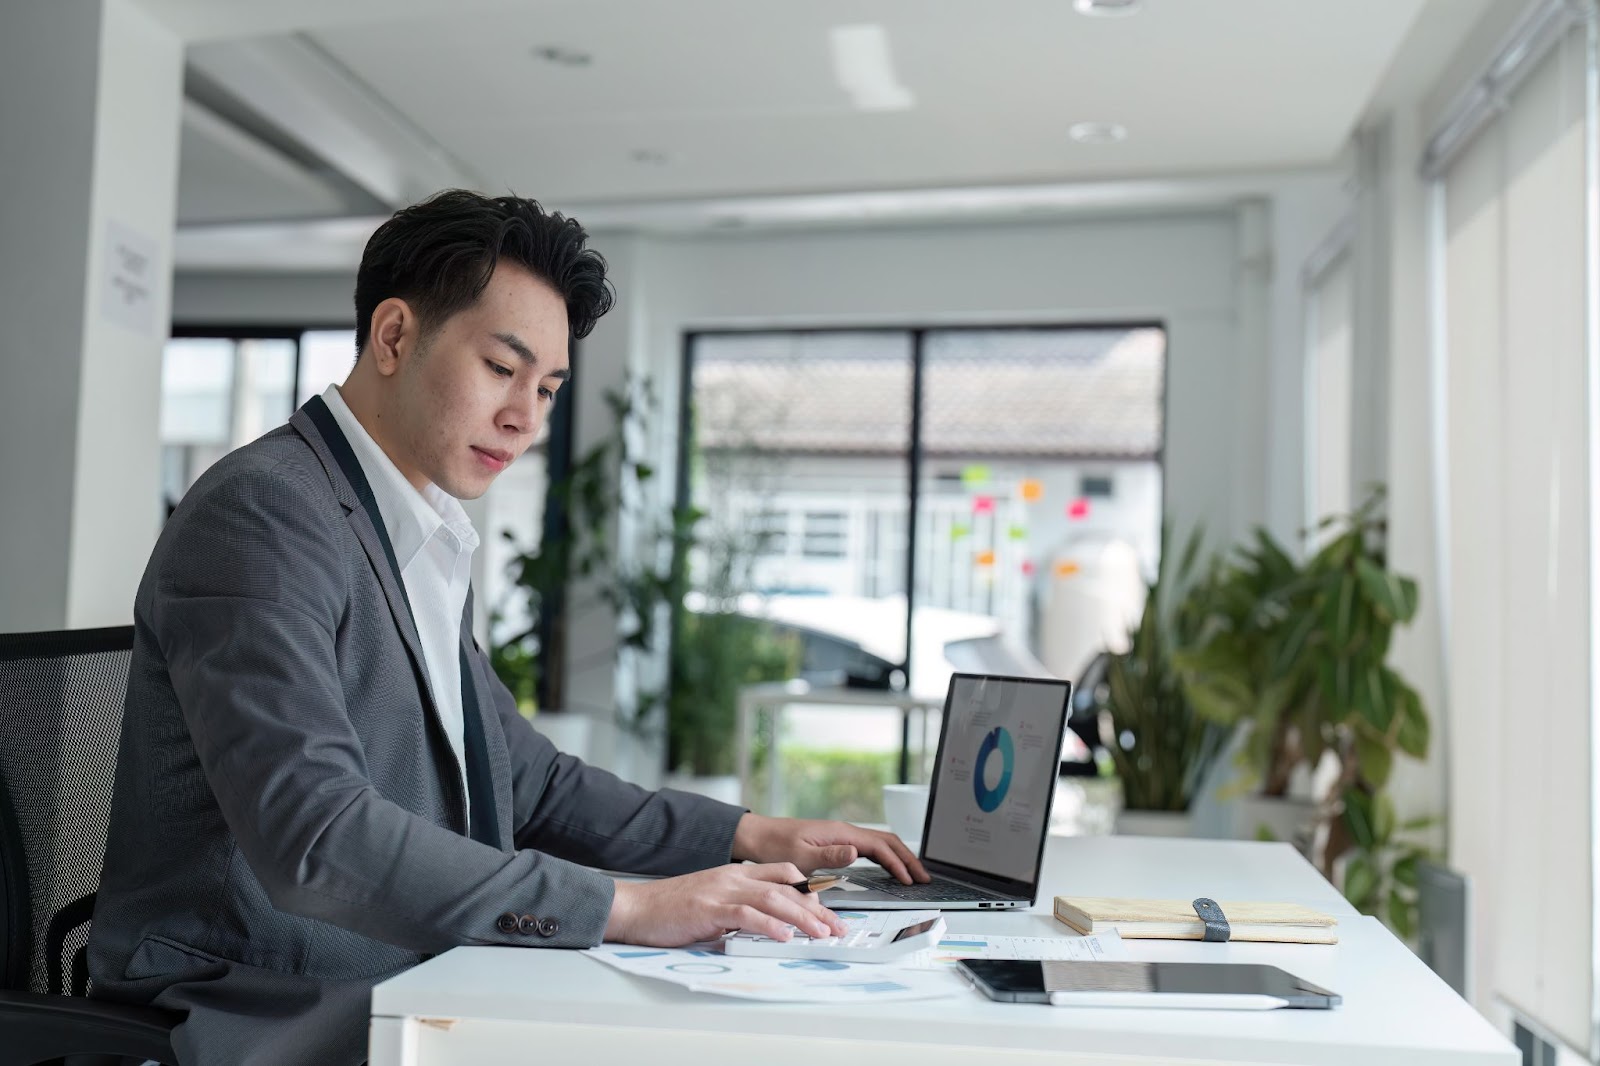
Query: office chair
point(61, 697)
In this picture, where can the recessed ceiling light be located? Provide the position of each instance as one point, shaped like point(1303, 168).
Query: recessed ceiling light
point(1097, 132)
point(1107, 8)
point(563, 57)
point(649, 157)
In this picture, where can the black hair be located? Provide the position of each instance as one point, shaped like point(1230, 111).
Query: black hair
point(438, 255)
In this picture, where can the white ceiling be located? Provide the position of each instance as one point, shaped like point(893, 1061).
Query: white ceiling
point(360, 105)
point(742, 97)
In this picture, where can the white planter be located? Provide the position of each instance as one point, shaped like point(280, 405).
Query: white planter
point(724, 787)
point(1134, 823)
point(1289, 820)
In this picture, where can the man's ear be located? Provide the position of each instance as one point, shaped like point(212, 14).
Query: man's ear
point(392, 334)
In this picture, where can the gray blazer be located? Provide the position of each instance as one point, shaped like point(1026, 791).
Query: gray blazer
point(288, 826)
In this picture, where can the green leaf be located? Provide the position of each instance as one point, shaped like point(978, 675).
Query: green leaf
point(1405, 871)
point(1414, 727)
point(1402, 915)
point(1359, 880)
point(1410, 599)
point(1358, 817)
point(1371, 700)
point(1382, 589)
point(1377, 761)
point(1383, 818)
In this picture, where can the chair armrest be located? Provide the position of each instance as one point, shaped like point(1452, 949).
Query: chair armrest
point(42, 1027)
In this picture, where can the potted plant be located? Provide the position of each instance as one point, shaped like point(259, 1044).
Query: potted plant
point(1297, 654)
point(1160, 746)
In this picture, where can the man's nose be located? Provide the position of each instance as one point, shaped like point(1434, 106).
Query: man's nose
point(524, 415)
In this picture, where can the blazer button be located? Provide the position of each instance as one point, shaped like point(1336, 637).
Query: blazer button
point(527, 925)
point(549, 927)
point(506, 923)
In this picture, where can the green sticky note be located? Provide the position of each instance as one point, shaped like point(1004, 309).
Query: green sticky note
point(958, 531)
point(1018, 532)
point(975, 476)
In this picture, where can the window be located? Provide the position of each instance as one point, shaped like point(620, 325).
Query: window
point(1036, 449)
point(825, 535)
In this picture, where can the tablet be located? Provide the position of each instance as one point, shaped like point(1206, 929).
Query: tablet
point(1192, 985)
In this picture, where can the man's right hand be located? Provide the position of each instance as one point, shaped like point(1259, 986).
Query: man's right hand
point(757, 898)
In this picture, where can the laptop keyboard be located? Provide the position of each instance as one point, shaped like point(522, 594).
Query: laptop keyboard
point(937, 889)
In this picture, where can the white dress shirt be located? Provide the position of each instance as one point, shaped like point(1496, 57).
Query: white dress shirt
point(433, 542)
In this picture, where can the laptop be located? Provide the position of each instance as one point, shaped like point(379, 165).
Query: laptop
point(994, 781)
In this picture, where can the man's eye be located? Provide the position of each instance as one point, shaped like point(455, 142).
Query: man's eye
point(499, 368)
point(546, 393)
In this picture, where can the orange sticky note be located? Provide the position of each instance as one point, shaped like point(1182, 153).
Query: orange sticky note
point(1066, 569)
point(984, 558)
point(1031, 490)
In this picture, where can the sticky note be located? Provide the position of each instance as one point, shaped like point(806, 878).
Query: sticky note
point(1031, 490)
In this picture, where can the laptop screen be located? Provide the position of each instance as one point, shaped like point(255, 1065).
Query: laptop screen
point(999, 755)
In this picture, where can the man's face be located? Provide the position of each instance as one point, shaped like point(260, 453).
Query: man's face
point(474, 395)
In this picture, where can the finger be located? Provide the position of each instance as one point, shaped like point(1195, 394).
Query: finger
point(755, 920)
point(795, 909)
point(783, 872)
point(890, 852)
point(835, 924)
point(835, 855)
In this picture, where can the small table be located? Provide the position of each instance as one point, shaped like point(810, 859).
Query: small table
point(775, 695)
point(486, 1006)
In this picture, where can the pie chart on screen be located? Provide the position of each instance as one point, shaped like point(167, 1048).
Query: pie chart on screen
point(990, 783)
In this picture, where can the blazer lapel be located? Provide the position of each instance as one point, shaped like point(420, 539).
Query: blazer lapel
point(498, 757)
point(378, 554)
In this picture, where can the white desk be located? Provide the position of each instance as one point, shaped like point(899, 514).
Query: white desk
point(774, 696)
point(485, 1006)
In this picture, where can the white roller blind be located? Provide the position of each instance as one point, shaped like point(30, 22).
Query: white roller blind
point(1328, 372)
point(1520, 547)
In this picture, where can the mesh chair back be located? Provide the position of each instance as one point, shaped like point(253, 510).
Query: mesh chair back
point(61, 697)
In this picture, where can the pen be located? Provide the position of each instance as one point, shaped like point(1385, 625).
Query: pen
point(815, 884)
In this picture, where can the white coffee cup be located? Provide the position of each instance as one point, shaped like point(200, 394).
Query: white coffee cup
point(905, 807)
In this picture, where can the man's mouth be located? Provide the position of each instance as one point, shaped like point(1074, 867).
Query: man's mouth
point(495, 459)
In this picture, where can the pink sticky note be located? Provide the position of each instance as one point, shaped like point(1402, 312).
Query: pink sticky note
point(983, 505)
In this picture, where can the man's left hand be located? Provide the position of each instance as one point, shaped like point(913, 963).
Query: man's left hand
point(816, 845)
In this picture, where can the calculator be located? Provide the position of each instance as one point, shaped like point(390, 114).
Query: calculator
point(876, 936)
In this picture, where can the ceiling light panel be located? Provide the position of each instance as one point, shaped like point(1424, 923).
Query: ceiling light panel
point(865, 70)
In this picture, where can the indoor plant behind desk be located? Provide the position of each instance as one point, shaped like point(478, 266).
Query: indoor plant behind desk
point(1161, 747)
point(1296, 653)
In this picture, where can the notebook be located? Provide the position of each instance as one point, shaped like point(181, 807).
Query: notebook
point(1175, 919)
point(988, 804)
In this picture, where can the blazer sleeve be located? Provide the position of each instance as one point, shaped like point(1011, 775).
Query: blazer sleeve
point(565, 807)
point(245, 613)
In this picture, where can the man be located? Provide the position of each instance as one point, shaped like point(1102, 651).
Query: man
point(321, 782)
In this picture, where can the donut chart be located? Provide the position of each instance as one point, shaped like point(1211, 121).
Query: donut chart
point(997, 739)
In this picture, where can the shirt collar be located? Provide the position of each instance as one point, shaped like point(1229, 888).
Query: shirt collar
point(410, 517)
